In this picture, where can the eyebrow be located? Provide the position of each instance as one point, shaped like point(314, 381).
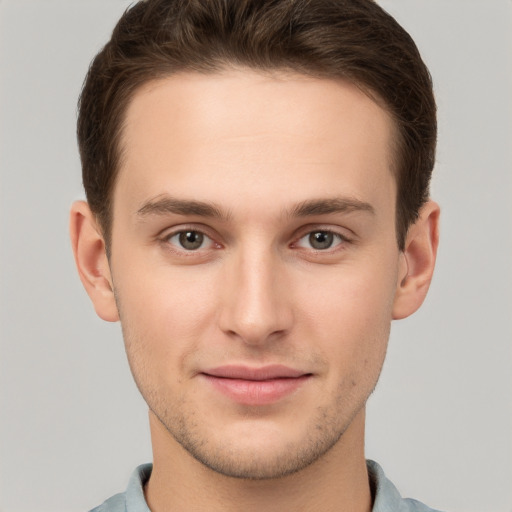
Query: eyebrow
point(162, 205)
point(166, 204)
point(327, 206)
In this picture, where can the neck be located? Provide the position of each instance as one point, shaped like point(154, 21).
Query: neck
point(336, 481)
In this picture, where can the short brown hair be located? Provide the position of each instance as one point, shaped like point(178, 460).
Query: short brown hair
point(354, 40)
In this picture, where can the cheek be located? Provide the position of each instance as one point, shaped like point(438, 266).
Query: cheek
point(163, 315)
point(352, 314)
point(355, 296)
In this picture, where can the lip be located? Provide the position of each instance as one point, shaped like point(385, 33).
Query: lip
point(255, 386)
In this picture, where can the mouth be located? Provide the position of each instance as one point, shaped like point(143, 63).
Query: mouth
point(255, 386)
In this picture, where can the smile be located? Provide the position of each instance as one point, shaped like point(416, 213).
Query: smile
point(255, 386)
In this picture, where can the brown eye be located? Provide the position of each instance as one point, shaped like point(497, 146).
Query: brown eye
point(321, 240)
point(189, 240)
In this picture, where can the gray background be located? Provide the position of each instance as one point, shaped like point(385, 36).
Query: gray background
point(72, 425)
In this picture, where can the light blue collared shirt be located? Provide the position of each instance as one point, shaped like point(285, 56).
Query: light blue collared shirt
point(387, 497)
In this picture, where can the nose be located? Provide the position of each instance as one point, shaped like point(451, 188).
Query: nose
point(256, 305)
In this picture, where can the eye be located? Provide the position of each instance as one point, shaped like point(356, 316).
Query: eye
point(190, 240)
point(320, 240)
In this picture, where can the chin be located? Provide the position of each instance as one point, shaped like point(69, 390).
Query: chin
point(252, 465)
point(259, 452)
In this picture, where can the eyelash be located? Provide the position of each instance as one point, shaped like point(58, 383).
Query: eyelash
point(166, 239)
point(342, 240)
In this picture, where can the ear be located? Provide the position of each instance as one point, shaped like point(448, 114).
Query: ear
point(91, 260)
point(418, 261)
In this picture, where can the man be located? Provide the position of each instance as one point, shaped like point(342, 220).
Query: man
point(257, 213)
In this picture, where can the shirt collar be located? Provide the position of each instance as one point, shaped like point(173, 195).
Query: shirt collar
point(386, 496)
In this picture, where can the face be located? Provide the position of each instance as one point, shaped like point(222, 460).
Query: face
point(254, 263)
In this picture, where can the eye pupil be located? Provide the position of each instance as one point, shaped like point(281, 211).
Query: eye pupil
point(321, 239)
point(191, 240)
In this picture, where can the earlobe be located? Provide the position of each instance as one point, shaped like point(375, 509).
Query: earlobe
point(91, 260)
point(418, 261)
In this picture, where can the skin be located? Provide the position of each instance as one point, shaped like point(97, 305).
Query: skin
point(258, 150)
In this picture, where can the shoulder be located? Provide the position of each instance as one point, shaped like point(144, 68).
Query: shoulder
point(386, 495)
point(132, 500)
point(116, 503)
point(411, 505)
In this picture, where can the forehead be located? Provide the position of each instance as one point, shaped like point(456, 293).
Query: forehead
point(254, 133)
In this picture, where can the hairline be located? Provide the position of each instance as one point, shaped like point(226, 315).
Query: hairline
point(217, 68)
